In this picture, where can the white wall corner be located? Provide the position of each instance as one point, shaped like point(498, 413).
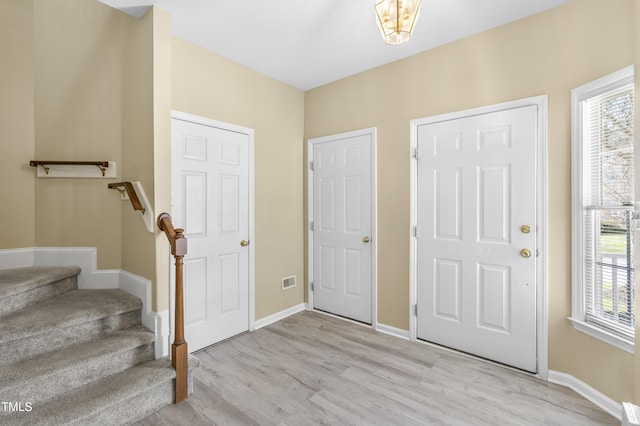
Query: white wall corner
point(161, 329)
point(397, 332)
point(148, 216)
point(158, 322)
point(139, 287)
point(263, 322)
point(598, 398)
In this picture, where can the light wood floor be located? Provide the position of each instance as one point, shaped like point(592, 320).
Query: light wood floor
point(312, 369)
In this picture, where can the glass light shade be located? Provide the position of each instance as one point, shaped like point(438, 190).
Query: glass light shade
point(396, 19)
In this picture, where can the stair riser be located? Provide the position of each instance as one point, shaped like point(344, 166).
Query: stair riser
point(35, 345)
point(43, 388)
point(18, 301)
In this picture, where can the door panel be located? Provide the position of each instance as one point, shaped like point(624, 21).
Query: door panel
point(210, 180)
point(343, 217)
point(476, 188)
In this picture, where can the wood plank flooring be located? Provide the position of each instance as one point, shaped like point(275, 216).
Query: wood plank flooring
point(312, 369)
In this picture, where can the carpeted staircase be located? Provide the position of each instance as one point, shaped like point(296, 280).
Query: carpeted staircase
point(75, 357)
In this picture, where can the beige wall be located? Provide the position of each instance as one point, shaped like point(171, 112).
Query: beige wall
point(77, 78)
point(549, 53)
point(138, 254)
point(211, 86)
point(17, 141)
point(162, 71)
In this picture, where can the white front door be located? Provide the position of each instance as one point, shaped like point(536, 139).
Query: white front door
point(210, 183)
point(343, 224)
point(476, 245)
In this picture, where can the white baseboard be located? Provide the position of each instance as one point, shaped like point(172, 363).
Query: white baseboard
point(397, 332)
point(16, 258)
point(92, 278)
point(263, 322)
point(583, 389)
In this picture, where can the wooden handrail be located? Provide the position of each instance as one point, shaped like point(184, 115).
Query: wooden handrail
point(179, 352)
point(131, 192)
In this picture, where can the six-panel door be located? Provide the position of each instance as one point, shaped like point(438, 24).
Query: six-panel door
point(211, 201)
point(476, 289)
point(342, 213)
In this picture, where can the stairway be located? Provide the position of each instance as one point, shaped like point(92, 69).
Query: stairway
point(75, 357)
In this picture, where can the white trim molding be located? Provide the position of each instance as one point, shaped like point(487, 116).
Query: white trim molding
point(579, 172)
point(393, 331)
point(598, 398)
point(270, 319)
point(541, 102)
point(603, 335)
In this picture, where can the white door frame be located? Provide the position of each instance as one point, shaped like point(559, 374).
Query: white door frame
point(250, 133)
point(372, 132)
point(541, 202)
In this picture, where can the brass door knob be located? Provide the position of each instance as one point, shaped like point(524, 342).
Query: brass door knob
point(365, 239)
point(526, 253)
point(244, 243)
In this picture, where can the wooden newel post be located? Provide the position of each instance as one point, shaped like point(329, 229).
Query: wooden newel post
point(179, 349)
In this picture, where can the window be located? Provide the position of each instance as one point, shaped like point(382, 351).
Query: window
point(602, 208)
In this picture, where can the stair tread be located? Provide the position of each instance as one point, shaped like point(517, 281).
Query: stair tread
point(72, 356)
point(68, 309)
point(82, 402)
point(18, 280)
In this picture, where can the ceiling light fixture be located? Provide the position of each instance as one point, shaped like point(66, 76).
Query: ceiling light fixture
point(396, 19)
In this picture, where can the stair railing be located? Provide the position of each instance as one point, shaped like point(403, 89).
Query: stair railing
point(179, 352)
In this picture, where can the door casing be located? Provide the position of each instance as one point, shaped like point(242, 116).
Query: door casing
point(372, 132)
point(541, 103)
point(251, 233)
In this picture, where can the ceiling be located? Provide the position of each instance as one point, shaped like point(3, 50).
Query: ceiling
point(308, 43)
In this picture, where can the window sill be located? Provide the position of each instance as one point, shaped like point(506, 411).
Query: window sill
point(605, 336)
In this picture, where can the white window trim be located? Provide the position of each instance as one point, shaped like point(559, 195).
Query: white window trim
point(578, 314)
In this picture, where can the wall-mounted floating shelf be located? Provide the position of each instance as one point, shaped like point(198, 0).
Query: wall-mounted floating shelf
point(74, 169)
point(133, 192)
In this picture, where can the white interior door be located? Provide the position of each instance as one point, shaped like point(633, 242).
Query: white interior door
point(210, 182)
point(343, 225)
point(476, 217)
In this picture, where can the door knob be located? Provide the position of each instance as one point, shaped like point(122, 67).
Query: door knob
point(365, 239)
point(526, 253)
point(244, 243)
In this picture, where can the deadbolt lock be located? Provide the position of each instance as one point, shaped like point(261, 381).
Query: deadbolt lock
point(525, 229)
point(244, 243)
point(365, 239)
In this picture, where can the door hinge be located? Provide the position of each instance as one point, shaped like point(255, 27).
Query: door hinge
point(311, 165)
point(416, 231)
point(312, 286)
point(415, 309)
point(416, 154)
point(311, 225)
